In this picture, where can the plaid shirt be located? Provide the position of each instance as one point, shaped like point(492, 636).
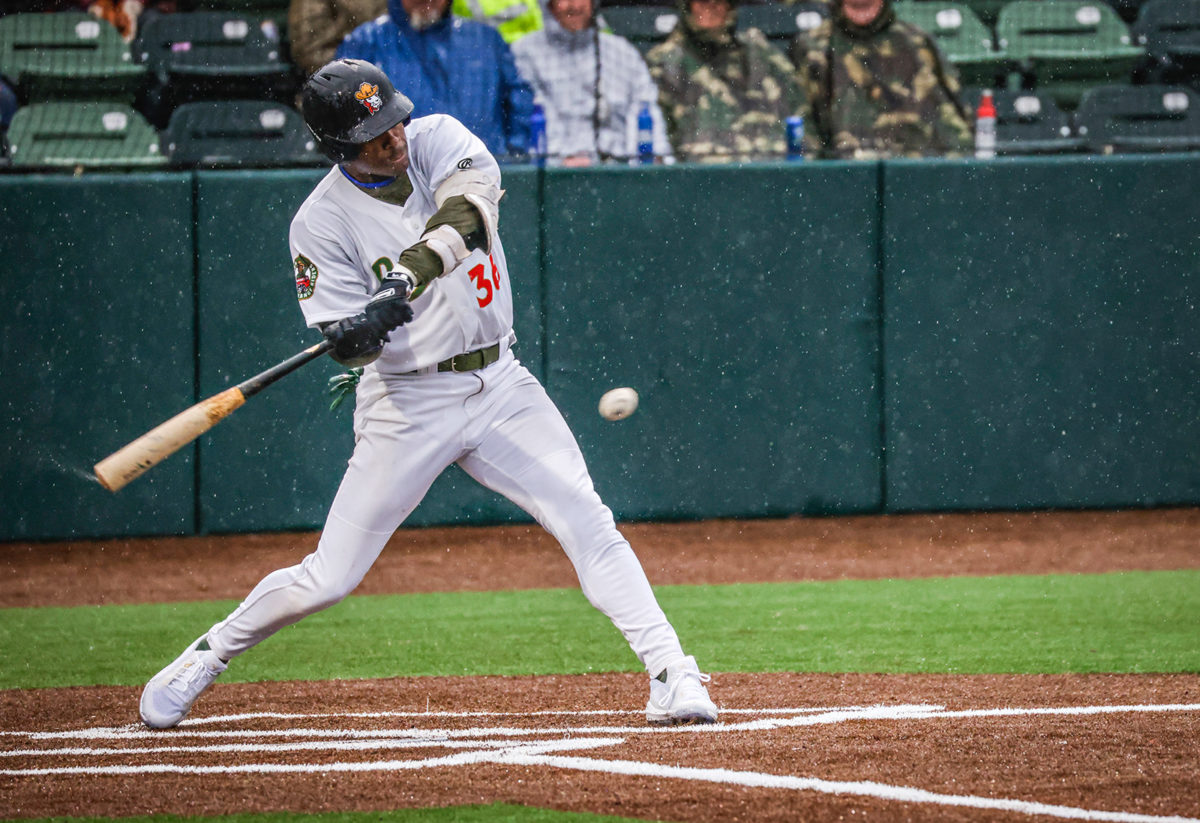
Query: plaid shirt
point(581, 118)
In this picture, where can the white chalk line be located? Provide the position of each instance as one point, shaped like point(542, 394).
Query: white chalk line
point(917, 711)
point(132, 732)
point(540, 753)
point(224, 718)
point(137, 729)
point(883, 791)
point(266, 748)
point(466, 758)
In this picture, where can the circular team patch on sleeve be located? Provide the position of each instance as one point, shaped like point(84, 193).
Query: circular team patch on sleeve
point(306, 277)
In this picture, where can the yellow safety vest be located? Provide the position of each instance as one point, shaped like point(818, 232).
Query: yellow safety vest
point(512, 18)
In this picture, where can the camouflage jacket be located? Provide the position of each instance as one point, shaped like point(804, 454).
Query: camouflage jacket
point(883, 90)
point(724, 94)
point(316, 27)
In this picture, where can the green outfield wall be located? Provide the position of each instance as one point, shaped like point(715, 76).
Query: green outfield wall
point(741, 304)
point(823, 338)
point(1042, 333)
point(96, 286)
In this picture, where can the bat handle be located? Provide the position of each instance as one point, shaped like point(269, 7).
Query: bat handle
point(258, 382)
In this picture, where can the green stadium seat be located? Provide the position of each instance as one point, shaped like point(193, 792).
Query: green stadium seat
point(239, 133)
point(68, 56)
point(212, 54)
point(1067, 46)
point(88, 134)
point(643, 26)
point(267, 13)
point(1151, 118)
point(1169, 31)
point(962, 37)
point(1127, 9)
point(988, 11)
point(780, 22)
point(245, 6)
point(1029, 123)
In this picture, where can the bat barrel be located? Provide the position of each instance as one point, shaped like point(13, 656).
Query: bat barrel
point(119, 468)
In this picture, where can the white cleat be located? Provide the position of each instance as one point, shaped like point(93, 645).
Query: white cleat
point(682, 699)
point(169, 695)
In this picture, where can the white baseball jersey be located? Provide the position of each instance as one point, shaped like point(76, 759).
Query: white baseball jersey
point(343, 240)
point(497, 423)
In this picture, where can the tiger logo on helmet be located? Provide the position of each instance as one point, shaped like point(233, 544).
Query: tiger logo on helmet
point(368, 95)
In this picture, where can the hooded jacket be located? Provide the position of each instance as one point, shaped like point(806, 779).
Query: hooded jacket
point(455, 66)
point(725, 93)
point(583, 116)
point(879, 90)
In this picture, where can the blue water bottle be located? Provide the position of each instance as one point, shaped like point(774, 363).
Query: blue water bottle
point(537, 134)
point(645, 135)
point(794, 130)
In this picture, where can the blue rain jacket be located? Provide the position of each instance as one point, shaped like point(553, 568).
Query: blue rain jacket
point(456, 66)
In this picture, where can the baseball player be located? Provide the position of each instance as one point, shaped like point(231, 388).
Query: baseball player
point(397, 260)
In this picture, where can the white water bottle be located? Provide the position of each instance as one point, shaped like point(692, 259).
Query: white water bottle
point(985, 127)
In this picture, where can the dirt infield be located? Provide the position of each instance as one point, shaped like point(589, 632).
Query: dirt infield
point(167, 570)
point(790, 746)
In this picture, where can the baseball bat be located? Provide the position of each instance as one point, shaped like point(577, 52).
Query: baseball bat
point(129, 462)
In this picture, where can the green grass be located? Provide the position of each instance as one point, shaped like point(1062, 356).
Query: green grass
point(1122, 622)
point(496, 813)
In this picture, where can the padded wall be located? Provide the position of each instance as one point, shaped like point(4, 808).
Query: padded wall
point(96, 284)
point(1040, 344)
point(741, 304)
point(277, 462)
point(1041, 333)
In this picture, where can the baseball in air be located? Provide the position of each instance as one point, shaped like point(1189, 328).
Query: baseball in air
point(617, 404)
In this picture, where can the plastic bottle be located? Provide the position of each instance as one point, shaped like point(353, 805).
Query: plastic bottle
point(645, 135)
point(537, 134)
point(794, 132)
point(985, 127)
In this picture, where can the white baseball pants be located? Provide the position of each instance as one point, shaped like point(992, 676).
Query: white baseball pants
point(500, 426)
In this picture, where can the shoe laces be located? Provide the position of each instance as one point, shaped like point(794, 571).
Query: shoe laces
point(675, 683)
point(187, 675)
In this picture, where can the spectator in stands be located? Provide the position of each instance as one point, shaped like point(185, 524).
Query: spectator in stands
point(592, 85)
point(512, 18)
point(452, 66)
point(316, 27)
point(25, 6)
point(725, 94)
point(8, 103)
point(122, 14)
point(878, 87)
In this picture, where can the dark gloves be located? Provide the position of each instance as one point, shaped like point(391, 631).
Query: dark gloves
point(360, 338)
point(358, 341)
point(388, 308)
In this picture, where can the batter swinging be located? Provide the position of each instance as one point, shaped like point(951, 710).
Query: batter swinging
point(398, 261)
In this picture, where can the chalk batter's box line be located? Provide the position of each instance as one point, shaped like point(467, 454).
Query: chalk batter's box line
point(549, 752)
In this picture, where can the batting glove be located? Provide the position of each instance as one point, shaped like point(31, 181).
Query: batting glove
point(388, 308)
point(343, 385)
point(357, 340)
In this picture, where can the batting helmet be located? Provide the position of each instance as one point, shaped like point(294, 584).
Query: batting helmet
point(350, 102)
